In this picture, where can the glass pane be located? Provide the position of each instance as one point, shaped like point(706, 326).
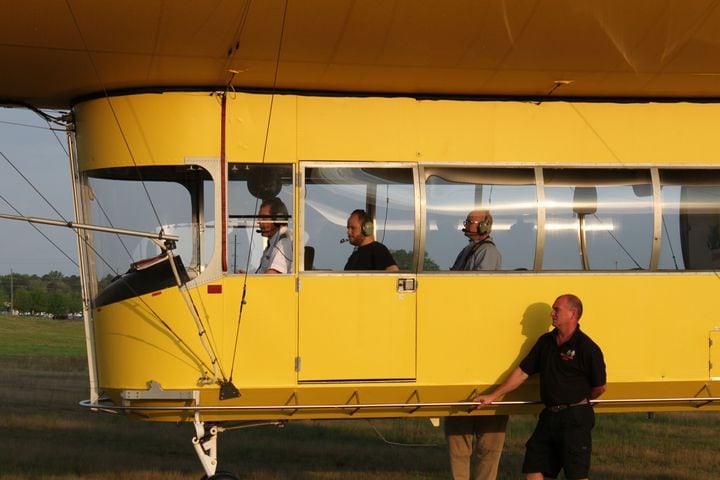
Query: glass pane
point(614, 210)
point(333, 193)
point(247, 237)
point(691, 220)
point(509, 195)
point(180, 198)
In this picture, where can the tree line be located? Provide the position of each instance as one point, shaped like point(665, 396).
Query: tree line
point(59, 296)
point(52, 293)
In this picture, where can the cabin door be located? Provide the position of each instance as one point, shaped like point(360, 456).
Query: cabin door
point(359, 327)
point(356, 325)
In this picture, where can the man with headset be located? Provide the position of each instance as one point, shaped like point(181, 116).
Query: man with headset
point(368, 254)
point(480, 253)
point(272, 222)
point(487, 433)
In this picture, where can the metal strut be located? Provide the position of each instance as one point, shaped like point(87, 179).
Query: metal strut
point(205, 444)
point(191, 308)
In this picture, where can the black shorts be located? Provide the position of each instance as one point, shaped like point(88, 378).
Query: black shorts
point(561, 441)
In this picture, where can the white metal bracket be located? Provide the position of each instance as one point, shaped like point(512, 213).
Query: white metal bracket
point(205, 444)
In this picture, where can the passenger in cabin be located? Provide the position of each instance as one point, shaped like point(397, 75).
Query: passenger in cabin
point(485, 435)
point(480, 253)
point(278, 255)
point(572, 372)
point(368, 254)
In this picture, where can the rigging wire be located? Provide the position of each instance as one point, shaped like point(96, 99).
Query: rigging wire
point(30, 125)
point(106, 96)
point(60, 120)
point(264, 155)
point(99, 255)
point(47, 118)
point(667, 236)
point(387, 208)
point(400, 444)
point(63, 146)
point(238, 33)
point(597, 134)
point(126, 143)
point(619, 243)
point(57, 247)
point(32, 186)
point(117, 123)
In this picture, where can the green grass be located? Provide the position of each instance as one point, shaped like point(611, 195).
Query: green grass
point(33, 336)
point(48, 436)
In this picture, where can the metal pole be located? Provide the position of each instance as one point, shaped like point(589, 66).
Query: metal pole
point(82, 267)
point(95, 228)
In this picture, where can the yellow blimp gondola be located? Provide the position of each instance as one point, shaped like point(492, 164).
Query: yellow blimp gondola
point(418, 121)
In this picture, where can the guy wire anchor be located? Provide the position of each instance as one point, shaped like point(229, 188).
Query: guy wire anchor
point(228, 390)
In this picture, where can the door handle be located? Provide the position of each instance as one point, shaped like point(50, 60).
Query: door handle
point(406, 285)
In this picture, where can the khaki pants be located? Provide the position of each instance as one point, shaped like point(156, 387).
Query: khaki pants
point(487, 433)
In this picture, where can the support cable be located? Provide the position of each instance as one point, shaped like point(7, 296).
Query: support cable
point(264, 155)
point(124, 137)
point(106, 96)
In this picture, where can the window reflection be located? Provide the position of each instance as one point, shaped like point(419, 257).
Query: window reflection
point(509, 195)
point(248, 186)
point(598, 219)
point(690, 219)
point(180, 198)
point(333, 193)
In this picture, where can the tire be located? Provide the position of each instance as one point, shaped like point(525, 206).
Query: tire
point(220, 476)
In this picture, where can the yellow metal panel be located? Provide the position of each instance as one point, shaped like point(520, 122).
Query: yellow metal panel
point(165, 129)
point(267, 336)
point(356, 327)
point(150, 129)
point(714, 364)
point(357, 129)
point(474, 329)
point(261, 128)
point(134, 346)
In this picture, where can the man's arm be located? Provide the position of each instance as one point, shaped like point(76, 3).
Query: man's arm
point(392, 268)
point(282, 257)
point(597, 391)
point(516, 378)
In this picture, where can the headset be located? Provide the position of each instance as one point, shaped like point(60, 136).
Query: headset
point(367, 226)
point(484, 227)
point(278, 211)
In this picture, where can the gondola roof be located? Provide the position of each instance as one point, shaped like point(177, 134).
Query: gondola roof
point(55, 52)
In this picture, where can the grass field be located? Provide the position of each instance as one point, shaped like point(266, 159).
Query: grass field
point(46, 435)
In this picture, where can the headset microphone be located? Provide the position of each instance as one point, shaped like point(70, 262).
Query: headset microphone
point(343, 240)
point(258, 231)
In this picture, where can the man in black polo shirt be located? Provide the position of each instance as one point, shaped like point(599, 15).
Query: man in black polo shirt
point(572, 372)
point(368, 254)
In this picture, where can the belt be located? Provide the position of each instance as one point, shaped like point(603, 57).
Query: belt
point(565, 406)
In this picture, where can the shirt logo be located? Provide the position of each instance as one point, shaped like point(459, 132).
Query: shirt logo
point(569, 355)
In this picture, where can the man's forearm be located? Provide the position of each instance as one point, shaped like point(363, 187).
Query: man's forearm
point(516, 378)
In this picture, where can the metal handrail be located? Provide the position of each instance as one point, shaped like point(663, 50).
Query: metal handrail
point(357, 406)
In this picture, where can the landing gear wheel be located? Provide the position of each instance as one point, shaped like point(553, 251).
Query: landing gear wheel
point(220, 476)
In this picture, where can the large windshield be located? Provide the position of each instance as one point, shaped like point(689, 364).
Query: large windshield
point(174, 200)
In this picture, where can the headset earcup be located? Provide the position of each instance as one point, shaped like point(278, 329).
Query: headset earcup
point(484, 227)
point(367, 228)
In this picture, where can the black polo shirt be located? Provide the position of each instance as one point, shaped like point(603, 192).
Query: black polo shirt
point(373, 256)
point(568, 372)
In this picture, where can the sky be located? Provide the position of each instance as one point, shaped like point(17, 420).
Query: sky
point(28, 145)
